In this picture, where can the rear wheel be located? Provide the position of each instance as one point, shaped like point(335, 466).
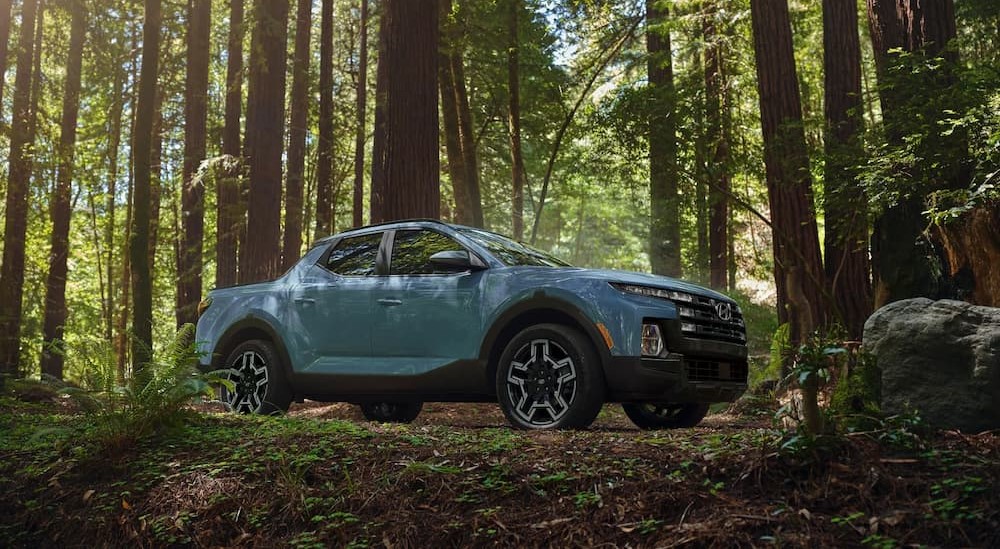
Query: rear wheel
point(259, 385)
point(391, 412)
point(661, 415)
point(549, 378)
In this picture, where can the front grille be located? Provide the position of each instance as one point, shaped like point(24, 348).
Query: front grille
point(700, 319)
point(709, 370)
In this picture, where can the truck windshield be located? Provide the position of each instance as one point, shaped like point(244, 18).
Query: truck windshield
point(510, 252)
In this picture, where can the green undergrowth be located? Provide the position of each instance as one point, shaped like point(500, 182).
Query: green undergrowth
point(223, 480)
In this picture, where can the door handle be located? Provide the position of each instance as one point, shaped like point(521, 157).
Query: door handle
point(390, 302)
point(305, 300)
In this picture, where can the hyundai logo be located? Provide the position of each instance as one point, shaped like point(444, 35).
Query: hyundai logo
point(724, 310)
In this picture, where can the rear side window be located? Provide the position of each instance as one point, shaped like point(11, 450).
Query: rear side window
point(412, 251)
point(355, 255)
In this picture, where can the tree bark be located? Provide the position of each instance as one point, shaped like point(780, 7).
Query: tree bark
point(716, 103)
point(292, 242)
point(193, 192)
point(37, 76)
point(261, 253)
point(457, 170)
point(845, 205)
point(665, 228)
point(142, 141)
point(361, 120)
point(121, 327)
point(906, 262)
point(156, 184)
point(5, 10)
point(514, 120)
point(702, 159)
point(798, 265)
point(453, 70)
point(467, 140)
point(405, 164)
point(53, 347)
point(15, 224)
point(230, 210)
point(449, 116)
point(114, 146)
point(324, 162)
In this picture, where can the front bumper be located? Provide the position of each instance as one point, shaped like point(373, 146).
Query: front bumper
point(675, 379)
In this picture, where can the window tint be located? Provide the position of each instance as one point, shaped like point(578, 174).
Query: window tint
point(355, 256)
point(412, 251)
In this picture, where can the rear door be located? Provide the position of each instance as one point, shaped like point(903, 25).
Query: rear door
point(333, 307)
point(425, 317)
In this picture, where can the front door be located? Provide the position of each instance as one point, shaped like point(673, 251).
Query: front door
point(425, 317)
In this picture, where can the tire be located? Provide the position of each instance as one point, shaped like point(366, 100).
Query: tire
point(549, 377)
point(661, 415)
point(260, 386)
point(391, 412)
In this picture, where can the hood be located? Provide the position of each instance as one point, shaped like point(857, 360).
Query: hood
point(655, 281)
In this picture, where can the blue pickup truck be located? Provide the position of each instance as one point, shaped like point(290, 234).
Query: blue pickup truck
point(394, 315)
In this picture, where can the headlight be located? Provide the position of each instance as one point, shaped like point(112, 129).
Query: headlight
point(655, 292)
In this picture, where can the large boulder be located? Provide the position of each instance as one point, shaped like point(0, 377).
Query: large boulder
point(941, 358)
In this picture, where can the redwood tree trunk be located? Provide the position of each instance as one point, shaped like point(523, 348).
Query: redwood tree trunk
point(716, 107)
point(845, 206)
point(55, 287)
point(37, 76)
point(5, 6)
point(361, 120)
point(514, 120)
point(798, 265)
point(261, 253)
point(229, 206)
point(142, 141)
point(292, 242)
point(457, 170)
point(449, 116)
point(665, 228)
point(467, 138)
point(193, 193)
point(156, 184)
point(324, 160)
point(905, 262)
point(406, 167)
point(15, 224)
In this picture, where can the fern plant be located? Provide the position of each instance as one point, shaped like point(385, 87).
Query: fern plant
point(154, 396)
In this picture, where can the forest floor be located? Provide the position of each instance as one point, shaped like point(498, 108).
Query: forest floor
point(322, 476)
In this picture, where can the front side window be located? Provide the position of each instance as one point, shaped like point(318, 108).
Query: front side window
point(412, 251)
point(355, 255)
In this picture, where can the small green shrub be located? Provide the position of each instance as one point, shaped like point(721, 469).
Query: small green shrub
point(772, 369)
point(123, 413)
point(858, 394)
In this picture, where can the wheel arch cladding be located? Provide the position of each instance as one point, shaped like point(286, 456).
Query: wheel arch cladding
point(246, 330)
point(538, 311)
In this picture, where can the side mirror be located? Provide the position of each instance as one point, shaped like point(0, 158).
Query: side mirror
point(456, 260)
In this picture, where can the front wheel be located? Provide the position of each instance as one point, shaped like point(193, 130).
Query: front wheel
point(391, 412)
point(259, 385)
point(661, 415)
point(549, 377)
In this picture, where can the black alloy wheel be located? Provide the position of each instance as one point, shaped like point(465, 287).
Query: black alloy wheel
point(391, 412)
point(662, 415)
point(549, 377)
point(259, 385)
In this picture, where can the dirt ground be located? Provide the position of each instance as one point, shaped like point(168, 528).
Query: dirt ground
point(459, 476)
